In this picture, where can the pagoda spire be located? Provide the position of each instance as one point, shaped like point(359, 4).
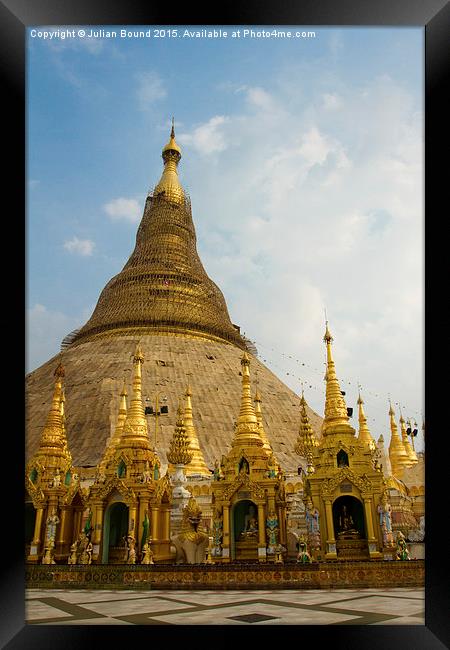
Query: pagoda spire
point(135, 431)
point(169, 186)
point(336, 417)
point(306, 440)
point(364, 433)
point(247, 423)
point(258, 412)
point(180, 452)
point(163, 288)
point(197, 464)
point(397, 452)
point(53, 439)
point(407, 445)
point(115, 438)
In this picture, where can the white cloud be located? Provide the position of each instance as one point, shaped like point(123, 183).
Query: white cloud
point(209, 137)
point(83, 247)
point(150, 89)
point(48, 328)
point(331, 102)
point(124, 209)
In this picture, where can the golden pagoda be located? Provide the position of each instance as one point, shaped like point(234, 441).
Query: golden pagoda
point(50, 482)
point(180, 452)
point(249, 497)
point(307, 440)
point(364, 434)
point(129, 492)
point(407, 445)
point(342, 495)
point(397, 453)
point(164, 300)
point(197, 465)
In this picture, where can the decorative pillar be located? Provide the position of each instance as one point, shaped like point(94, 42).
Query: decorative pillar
point(143, 506)
point(331, 541)
point(155, 532)
point(34, 547)
point(132, 520)
point(226, 533)
point(166, 524)
point(371, 540)
point(262, 551)
point(97, 532)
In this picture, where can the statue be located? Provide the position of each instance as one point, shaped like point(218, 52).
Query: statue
point(88, 526)
point(346, 524)
point(147, 554)
point(402, 549)
point(145, 527)
point(146, 474)
point(52, 522)
point(56, 482)
point(86, 554)
point(417, 534)
point(302, 555)
point(217, 532)
point(49, 550)
point(312, 524)
point(156, 473)
point(73, 557)
point(271, 465)
point(272, 531)
point(131, 559)
point(216, 472)
point(190, 544)
point(384, 510)
point(250, 523)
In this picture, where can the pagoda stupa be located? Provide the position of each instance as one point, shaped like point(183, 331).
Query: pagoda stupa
point(163, 301)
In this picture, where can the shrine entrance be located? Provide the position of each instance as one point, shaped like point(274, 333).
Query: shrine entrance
point(115, 530)
point(350, 529)
point(244, 531)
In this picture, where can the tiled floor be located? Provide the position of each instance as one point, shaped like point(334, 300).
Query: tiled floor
point(397, 606)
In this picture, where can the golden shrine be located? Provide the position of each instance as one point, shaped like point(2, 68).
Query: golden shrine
point(102, 489)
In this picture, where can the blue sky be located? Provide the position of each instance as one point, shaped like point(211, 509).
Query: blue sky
point(303, 159)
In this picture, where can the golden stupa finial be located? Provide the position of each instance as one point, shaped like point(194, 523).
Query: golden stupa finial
point(53, 439)
point(115, 438)
point(258, 412)
point(407, 445)
point(179, 452)
point(135, 424)
point(364, 434)
point(336, 415)
point(197, 464)
point(172, 133)
point(169, 186)
point(306, 440)
point(397, 453)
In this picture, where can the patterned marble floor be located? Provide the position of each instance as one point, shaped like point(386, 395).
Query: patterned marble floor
point(397, 606)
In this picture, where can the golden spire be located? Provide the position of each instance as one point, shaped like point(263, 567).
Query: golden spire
point(121, 418)
point(135, 430)
point(169, 186)
point(306, 440)
point(407, 445)
point(247, 422)
point(258, 413)
point(364, 433)
point(336, 418)
point(53, 439)
point(197, 464)
point(163, 287)
point(397, 452)
point(179, 452)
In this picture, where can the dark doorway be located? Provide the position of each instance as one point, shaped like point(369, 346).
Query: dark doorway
point(115, 530)
point(351, 508)
point(30, 520)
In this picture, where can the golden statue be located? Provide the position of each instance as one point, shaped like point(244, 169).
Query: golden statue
point(346, 524)
point(250, 523)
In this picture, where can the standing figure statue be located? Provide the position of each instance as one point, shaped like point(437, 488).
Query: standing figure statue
point(271, 467)
point(88, 525)
point(73, 557)
point(86, 554)
point(145, 527)
point(147, 553)
point(52, 522)
point(216, 472)
point(56, 481)
point(156, 472)
point(217, 532)
point(131, 559)
point(312, 524)
point(402, 549)
point(302, 555)
point(272, 532)
point(49, 551)
point(146, 474)
point(384, 511)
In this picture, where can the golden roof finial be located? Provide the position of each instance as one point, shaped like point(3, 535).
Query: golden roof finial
point(115, 438)
point(307, 439)
point(197, 464)
point(397, 452)
point(258, 412)
point(179, 452)
point(53, 440)
point(135, 425)
point(169, 186)
point(364, 433)
point(336, 417)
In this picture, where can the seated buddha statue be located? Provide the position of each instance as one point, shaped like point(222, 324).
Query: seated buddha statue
point(250, 524)
point(347, 525)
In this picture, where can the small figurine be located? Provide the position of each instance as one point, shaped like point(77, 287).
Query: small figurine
point(56, 482)
point(49, 550)
point(303, 556)
point(147, 554)
point(73, 557)
point(131, 558)
point(402, 549)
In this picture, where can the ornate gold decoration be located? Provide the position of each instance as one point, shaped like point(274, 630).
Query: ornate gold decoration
point(336, 418)
point(197, 464)
point(306, 441)
point(328, 486)
point(364, 434)
point(179, 452)
point(116, 483)
point(163, 287)
point(397, 452)
point(407, 445)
